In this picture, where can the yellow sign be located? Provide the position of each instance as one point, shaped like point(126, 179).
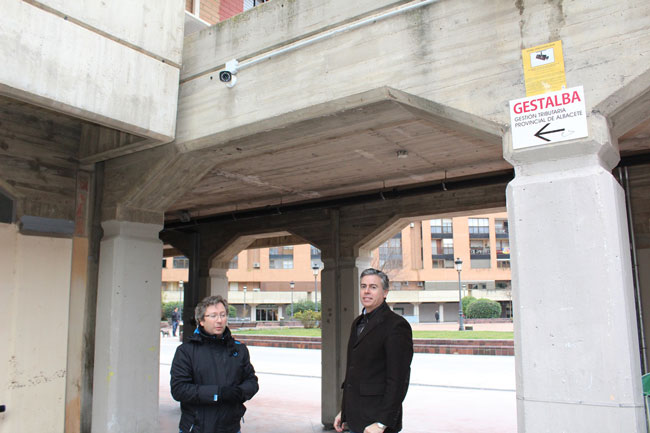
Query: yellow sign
point(544, 68)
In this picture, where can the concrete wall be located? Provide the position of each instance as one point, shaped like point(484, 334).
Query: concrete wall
point(62, 54)
point(451, 52)
point(34, 289)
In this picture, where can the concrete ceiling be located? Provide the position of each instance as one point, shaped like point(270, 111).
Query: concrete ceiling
point(380, 146)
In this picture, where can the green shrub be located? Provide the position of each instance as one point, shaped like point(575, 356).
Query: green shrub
point(168, 307)
point(232, 311)
point(300, 306)
point(484, 309)
point(467, 301)
point(309, 318)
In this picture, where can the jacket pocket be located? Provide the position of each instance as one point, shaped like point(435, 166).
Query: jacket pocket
point(371, 389)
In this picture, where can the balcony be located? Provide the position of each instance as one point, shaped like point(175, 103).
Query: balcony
point(479, 253)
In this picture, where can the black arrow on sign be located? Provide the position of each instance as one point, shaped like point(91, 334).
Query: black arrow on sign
point(541, 132)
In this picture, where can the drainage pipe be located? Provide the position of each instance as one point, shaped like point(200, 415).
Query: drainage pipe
point(363, 22)
point(623, 176)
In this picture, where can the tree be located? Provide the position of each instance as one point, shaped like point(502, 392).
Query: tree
point(301, 306)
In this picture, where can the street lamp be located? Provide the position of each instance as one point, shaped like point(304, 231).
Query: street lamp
point(244, 312)
point(315, 271)
point(458, 264)
point(292, 285)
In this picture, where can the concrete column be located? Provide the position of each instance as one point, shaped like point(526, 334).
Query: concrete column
point(577, 355)
point(253, 311)
point(340, 301)
point(219, 282)
point(441, 311)
point(416, 311)
point(280, 311)
point(127, 345)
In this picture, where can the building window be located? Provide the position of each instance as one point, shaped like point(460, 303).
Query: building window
point(448, 246)
point(442, 247)
point(501, 227)
point(441, 225)
point(181, 263)
point(281, 257)
point(248, 4)
point(479, 247)
point(442, 264)
point(390, 253)
point(479, 250)
point(164, 263)
point(503, 264)
point(234, 263)
point(479, 226)
point(316, 257)
point(503, 249)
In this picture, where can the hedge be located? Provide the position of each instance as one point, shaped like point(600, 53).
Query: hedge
point(484, 309)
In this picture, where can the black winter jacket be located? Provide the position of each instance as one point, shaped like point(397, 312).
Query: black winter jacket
point(201, 367)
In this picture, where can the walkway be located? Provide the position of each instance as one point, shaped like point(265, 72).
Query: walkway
point(448, 393)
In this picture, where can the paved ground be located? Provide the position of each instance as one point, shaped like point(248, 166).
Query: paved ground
point(448, 393)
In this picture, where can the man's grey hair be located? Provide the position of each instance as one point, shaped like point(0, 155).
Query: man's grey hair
point(380, 274)
point(199, 311)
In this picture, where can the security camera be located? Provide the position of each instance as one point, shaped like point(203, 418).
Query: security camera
point(227, 75)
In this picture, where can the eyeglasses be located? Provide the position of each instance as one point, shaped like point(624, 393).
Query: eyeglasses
point(215, 316)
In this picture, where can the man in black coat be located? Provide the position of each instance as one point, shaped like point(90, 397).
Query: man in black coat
point(211, 374)
point(176, 318)
point(378, 369)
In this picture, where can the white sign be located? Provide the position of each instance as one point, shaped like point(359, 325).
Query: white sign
point(548, 118)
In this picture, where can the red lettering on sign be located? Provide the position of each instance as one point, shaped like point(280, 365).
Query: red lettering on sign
point(546, 102)
point(576, 97)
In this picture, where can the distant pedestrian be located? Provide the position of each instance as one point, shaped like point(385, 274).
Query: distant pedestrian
point(211, 373)
point(378, 367)
point(437, 317)
point(176, 318)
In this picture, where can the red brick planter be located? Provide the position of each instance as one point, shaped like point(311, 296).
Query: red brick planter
point(420, 345)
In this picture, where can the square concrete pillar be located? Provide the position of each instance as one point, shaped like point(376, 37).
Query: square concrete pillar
point(127, 337)
point(340, 302)
point(576, 342)
point(219, 282)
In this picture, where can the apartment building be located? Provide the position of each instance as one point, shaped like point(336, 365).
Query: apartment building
point(419, 261)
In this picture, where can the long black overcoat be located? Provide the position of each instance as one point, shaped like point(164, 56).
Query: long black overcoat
point(378, 371)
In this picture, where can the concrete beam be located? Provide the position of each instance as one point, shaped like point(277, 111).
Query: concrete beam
point(140, 186)
point(418, 53)
point(67, 62)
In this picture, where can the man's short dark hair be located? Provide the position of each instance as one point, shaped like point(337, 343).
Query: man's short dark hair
point(380, 274)
point(199, 311)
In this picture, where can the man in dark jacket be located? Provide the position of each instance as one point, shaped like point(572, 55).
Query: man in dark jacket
point(211, 374)
point(176, 318)
point(378, 368)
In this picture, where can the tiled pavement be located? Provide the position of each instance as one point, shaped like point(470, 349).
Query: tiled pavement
point(448, 393)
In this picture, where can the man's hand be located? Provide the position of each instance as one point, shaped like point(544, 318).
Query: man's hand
point(231, 393)
point(373, 428)
point(338, 425)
